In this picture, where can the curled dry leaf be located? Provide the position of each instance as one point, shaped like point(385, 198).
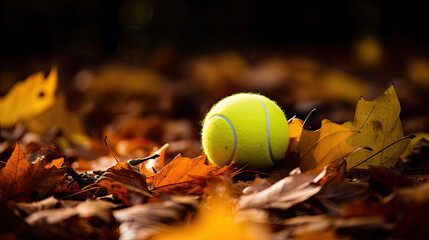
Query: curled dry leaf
point(285, 193)
point(144, 221)
point(21, 180)
point(125, 183)
point(324, 146)
point(379, 125)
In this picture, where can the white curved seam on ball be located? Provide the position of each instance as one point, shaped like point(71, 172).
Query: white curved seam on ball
point(233, 133)
point(268, 131)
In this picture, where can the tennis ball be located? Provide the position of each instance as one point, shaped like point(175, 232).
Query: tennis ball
point(246, 128)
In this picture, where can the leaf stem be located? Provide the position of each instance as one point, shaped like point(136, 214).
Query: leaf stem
point(381, 150)
point(110, 150)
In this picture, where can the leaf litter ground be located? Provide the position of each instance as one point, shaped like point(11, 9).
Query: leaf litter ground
point(314, 193)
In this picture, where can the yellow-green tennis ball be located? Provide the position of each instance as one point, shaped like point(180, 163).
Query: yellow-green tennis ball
point(245, 128)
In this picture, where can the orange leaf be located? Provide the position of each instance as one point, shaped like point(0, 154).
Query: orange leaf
point(324, 146)
point(126, 183)
point(183, 173)
point(295, 127)
point(22, 180)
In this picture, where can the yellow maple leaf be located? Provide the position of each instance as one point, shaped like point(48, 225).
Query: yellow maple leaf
point(216, 221)
point(324, 146)
point(28, 98)
point(379, 125)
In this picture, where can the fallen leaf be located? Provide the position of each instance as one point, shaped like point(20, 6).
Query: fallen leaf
point(145, 220)
point(324, 146)
point(86, 220)
point(379, 125)
point(285, 193)
point(125, 183)
point(182, 173)
point(28, 98)
point(21, 180)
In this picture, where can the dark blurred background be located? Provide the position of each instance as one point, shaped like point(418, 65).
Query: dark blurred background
point(173, 59)
point(89, 30)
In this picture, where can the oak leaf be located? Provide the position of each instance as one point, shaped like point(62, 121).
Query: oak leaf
point(379, 125)
point(21, 180)
point(28, 98)
point(324, 146)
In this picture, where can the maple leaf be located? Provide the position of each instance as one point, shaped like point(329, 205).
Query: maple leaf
point(126, 183)
point(324, 146)
point(379, 125)
point(21, 180)
point(28, 98)
point(183, 173)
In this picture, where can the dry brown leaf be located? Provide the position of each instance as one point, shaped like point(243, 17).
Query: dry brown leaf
point(324, 146)
point(286, 192)
point(85, 221)
point(144, 220)
point(125, 183)
point(21, 180)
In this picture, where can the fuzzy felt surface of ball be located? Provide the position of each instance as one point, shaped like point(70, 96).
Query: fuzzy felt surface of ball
point(246, 128)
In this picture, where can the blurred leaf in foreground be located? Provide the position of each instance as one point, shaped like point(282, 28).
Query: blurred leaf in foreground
point(217, 221)
point(379, 125)
point(28, 98)
point(59, 116)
